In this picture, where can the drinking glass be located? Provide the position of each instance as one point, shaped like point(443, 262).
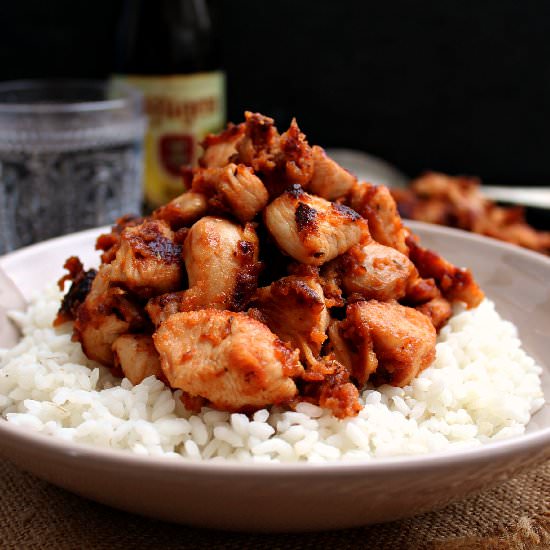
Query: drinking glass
point(70, 157)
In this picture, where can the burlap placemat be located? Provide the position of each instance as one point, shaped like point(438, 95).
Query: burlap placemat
point(34, 514)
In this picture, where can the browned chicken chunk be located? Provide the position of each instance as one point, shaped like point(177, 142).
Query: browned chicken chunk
point(455, 283)
point(329, 179)
point(421, 291)
point(233, 189)
point(110, 242)
point(351, 344)
point(98, 336)
point(230, 359)
point(425, 296)
point(375, 271)
point(221, 260)
point(335, 392)
point(137, 357)
point(148, 261)
point(458, 201)
point(281, 160)
point(183, 211)
point(222, 269)
point(107, 312)
point(403, 339)
point(296, 156)
point(260, 145)
point(81, 284)
point(438, 310)
point(294, 309)
point(375, 203)
point(313, 230)
point(219, 148)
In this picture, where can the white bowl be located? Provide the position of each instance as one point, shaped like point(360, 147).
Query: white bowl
point(298, 497)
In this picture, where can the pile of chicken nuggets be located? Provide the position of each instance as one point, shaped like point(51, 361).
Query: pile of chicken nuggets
point(276, 277)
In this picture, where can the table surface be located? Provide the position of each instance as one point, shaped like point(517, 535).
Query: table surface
point(35, 514)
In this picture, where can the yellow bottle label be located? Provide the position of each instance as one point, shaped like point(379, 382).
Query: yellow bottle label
point(181, 110)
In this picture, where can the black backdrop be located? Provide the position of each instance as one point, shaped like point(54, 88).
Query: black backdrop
point(459, 86)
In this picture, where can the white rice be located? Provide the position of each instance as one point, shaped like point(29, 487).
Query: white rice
point(482, 387)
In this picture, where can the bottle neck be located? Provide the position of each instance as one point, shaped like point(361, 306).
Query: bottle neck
point(165, 37)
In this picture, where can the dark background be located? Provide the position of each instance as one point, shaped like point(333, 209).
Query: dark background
point(462, 87)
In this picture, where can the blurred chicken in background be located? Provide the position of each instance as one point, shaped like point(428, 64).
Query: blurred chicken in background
point(457, 201)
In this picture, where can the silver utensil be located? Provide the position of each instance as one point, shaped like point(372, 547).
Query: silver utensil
point(370, 168)
point(538, 197)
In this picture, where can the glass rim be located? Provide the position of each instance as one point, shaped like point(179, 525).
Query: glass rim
point(130, 97)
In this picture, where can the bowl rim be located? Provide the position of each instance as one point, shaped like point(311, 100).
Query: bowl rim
point(429, 461)
point(538, 439)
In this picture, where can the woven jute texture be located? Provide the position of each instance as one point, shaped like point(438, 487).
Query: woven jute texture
point(34, 514)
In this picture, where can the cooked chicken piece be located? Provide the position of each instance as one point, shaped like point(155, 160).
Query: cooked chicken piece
point(222, 268)
point(234, 361)
point(219, 148)
point(294, 309)
point(456, 284)
point(137, 357)
point(260, 145)
point(313, 230)
point(423, 295)
point(438, 310)
point(351, 344)
point(221, 260)
point(332, 294)
point(329, 179)
point(109, 242)
point(296, 156)
point(331, 281)
point(183, 211)
point(463, 199)
point(232, 188)
point(282, 160)
point(161, 307)
point(342, 398)
point(375, 271)
point(334, 392)
point(107, 312)
point(457, 201)
point(421, 291)
point(79, 289)
point(148, 261)
point(403, 339)
point(375, 203)
point(97, 336)
point(508, 224)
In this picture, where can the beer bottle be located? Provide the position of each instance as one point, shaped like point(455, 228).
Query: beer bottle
point(167, 49)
